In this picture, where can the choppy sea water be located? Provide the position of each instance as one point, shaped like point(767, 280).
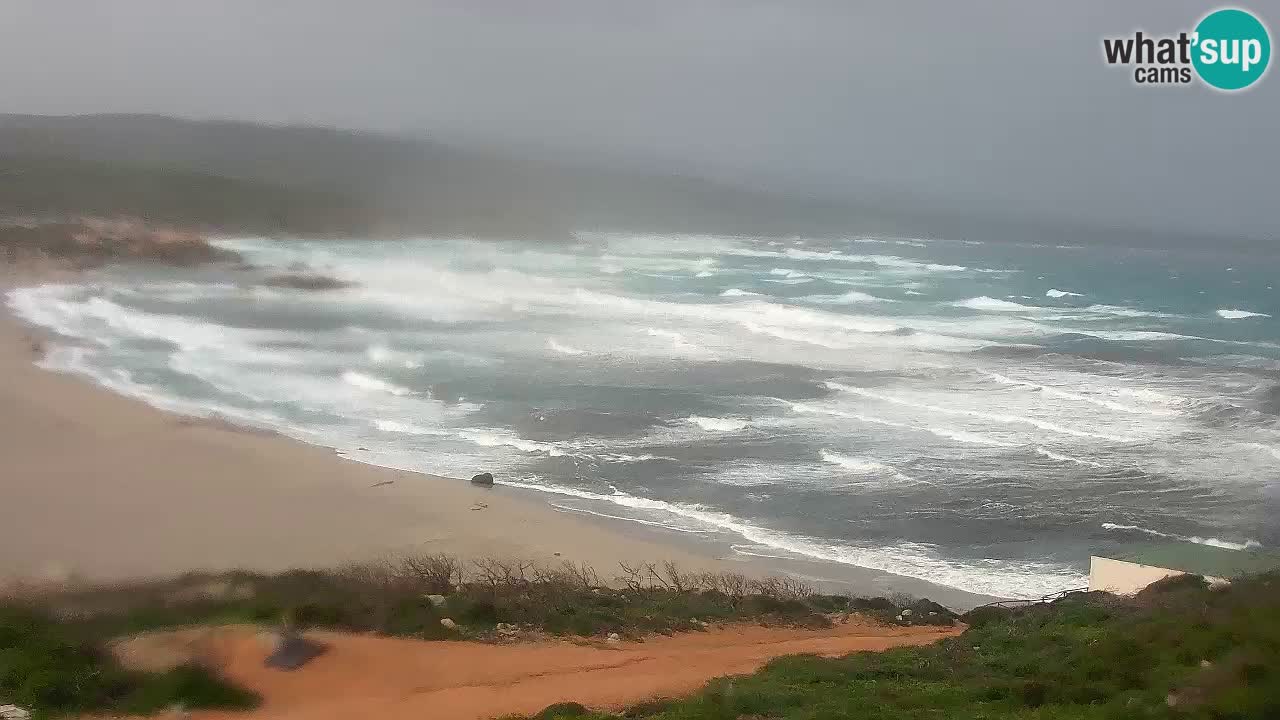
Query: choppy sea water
point(977, 415)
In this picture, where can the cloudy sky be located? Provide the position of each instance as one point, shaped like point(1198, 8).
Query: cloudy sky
point(983, 106)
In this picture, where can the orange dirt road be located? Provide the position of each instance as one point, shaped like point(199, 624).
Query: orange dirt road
point(396, 679)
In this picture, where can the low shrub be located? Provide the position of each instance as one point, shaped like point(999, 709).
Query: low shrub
point(1183, 651)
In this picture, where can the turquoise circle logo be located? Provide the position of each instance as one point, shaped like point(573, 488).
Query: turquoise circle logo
point(1232, 49)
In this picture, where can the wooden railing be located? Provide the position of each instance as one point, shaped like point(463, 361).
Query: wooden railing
point(1051, 597)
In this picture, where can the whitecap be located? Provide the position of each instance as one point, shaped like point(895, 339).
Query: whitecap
point(850, 298)
point(369, 382)
point(1228, 314)
point(1248, 544)
point(717, 424)
point(553, 344)
point(1056, 293)
point(1067, 458)
point(500, 438)
point(1013, 579)
point(997, 417)
point(990, 304)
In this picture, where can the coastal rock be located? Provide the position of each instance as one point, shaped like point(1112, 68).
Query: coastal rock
point(305, 281)
point(483, 479)
point(613, 639)
point(94, 242)
point(436, 600)
point(448, 624)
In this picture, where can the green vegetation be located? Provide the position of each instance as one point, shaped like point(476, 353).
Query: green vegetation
point(1178, 650)
point(409, 597)
point(61, 666)
point(56, 668)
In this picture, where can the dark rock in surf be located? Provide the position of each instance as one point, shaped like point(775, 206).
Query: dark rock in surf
point(483, 480)
point(298, 281)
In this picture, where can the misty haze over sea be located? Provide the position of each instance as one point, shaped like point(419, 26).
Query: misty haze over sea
point(980, 415)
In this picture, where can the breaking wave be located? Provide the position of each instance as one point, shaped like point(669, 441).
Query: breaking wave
point(996, 578)
point(718, 424)
point(369, 382)
point(1212, 542)
point(990, 304)
point(1240, 314)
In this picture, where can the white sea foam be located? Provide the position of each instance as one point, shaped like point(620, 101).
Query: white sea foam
point(738, 292)
point(961, 436)
point(717, 424)
point(369, 382)
point(1229, 314)
point(493, 437)
point(853, 464)
point(83, 361)
point(788, 273)
point(990, 304)
point(887, 261)
point(996, 417)
point(852, 297)
point(1056, 293)
point(677, 339)
point(1067, 458)
point(1210, 541)
point(863, 466)
point(1080, 397)
point(405, 428)
point(563, 349)
point(383, 355)
point(998, 578)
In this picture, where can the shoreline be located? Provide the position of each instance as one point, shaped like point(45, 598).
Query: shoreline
point(174, 493)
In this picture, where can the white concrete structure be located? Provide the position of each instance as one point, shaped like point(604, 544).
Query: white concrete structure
point(1126, 578)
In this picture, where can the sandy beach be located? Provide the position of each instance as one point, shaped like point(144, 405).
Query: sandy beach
point(102, 487)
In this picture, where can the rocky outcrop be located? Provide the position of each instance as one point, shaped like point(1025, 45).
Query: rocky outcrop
point(483, 479)
point(94, 242)
point(305, 281)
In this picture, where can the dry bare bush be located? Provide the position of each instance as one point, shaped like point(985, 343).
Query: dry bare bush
point(434, 574)
point(782, 588)
point(735, 585)
point(567, 575)
point(501, 576)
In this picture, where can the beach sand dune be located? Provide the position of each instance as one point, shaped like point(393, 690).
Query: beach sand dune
point(364, 676)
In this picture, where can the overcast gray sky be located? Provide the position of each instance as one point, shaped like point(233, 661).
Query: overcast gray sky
point(981, 105)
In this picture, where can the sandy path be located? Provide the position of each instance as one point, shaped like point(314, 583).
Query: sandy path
point(363, 676)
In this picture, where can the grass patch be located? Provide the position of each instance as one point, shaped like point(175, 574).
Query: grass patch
point(52, 656)
point(409, 596)
point(55, 669)
point(1179, 650)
